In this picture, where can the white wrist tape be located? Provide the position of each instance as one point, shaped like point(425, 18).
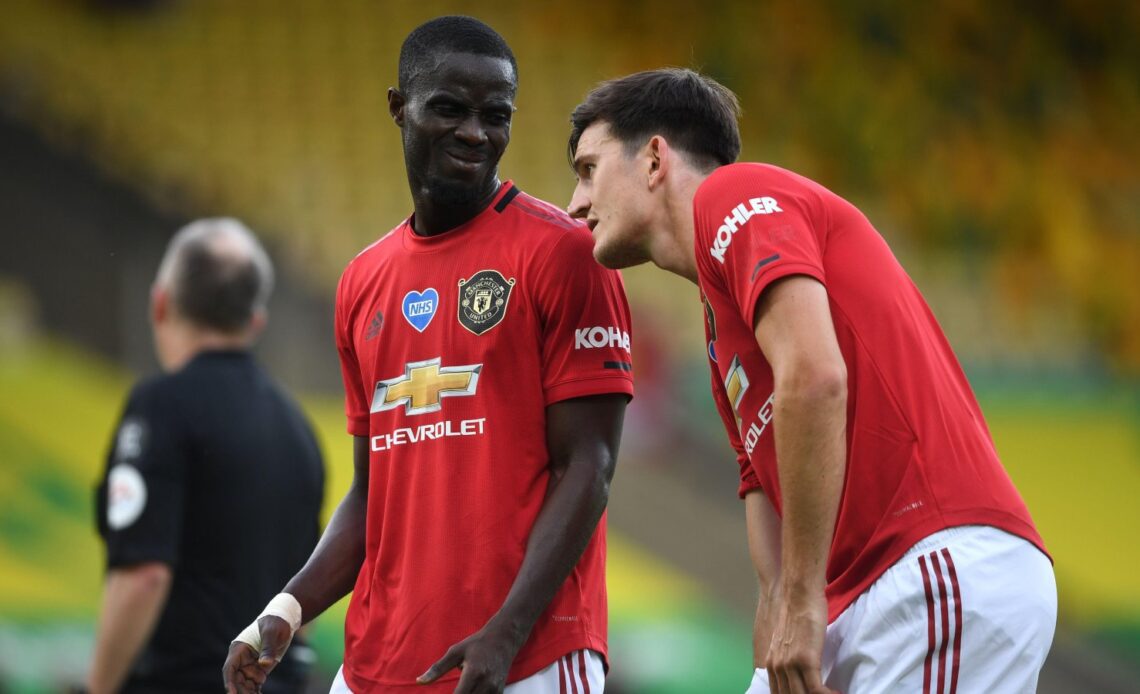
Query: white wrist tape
point(284, 606)
point(250, 636)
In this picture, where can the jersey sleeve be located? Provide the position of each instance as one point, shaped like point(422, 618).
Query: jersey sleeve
point(759, 227)
point(585, 323)
point(356, 405)
point(140, 501)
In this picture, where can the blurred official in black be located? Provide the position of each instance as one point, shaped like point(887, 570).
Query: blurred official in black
point(210, 499)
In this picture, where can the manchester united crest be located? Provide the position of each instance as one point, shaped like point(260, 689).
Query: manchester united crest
point(483, 300)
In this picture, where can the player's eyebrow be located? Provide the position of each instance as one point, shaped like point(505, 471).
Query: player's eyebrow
point(580, 160)
point(461, 96)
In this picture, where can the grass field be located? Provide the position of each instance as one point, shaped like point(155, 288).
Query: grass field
point(1076, 461)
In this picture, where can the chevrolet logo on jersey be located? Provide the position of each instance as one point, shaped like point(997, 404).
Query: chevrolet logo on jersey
point(735, 384)
point(423, 385)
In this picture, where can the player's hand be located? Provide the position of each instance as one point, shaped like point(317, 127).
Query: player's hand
point(796, 650)
point(483, 658)
point(245, 670)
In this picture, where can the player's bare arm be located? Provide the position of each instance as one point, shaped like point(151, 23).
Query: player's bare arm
point(132, 602)
point(794, 329)
point(764, 547)
point(327, 576)
point(582, 435)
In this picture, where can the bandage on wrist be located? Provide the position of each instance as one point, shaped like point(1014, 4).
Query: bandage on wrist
point(286, 607)
point(283, 606)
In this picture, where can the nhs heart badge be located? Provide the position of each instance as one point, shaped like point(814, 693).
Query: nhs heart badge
point(419, 307)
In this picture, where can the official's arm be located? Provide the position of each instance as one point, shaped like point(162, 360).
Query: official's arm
point(133, 598)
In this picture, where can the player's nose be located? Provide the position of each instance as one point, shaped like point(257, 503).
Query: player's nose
point(579, 205)
point(471, 131)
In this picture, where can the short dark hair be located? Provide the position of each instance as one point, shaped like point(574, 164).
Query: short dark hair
point(217, 273)
point(450, 34)
point(695, 113)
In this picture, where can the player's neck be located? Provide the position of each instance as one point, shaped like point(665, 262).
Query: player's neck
point(669, 252)
point(672, 245)
point(433, 215)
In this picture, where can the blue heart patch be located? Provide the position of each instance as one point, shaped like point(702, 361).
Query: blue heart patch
point(419, 308)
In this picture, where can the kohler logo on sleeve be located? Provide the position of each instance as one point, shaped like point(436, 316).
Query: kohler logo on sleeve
point(738, 218)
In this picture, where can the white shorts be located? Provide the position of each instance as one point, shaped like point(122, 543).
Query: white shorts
point(580, 672)
point(967, 609)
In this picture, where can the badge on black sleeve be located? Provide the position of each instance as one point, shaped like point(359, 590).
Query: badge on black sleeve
point(483, 300)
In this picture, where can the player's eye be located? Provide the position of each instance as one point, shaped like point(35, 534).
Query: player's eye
point(448, 110)
point(497, 118)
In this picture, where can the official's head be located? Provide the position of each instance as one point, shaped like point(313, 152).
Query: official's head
point(454, 104)
point(625, 138)
point(211, 291)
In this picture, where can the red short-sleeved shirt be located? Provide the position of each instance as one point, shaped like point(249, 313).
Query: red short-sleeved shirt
point(451, 348)
point(919, 455)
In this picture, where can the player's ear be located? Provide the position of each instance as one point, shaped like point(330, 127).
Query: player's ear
point(396, 103)
point(658, 158)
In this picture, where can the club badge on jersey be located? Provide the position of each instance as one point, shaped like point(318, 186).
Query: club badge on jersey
point(711, 318)
point(483, 300)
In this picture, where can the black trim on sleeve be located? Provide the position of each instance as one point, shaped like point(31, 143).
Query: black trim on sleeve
point(506, 199)
point(620, 365)
point(763, 262)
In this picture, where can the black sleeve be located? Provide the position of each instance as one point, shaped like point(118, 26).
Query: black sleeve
point(140, 499)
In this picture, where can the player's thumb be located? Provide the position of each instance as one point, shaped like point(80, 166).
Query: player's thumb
point(449, 661)
point(275, 638)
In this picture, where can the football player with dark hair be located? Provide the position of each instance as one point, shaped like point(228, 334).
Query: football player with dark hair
point(486, 427)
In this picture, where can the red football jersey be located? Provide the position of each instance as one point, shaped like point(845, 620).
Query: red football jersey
point(919, 455)
point(451, 348)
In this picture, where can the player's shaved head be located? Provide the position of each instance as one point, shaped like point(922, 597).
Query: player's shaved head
point(217, 274)
point(429, 41)
point(695, 113)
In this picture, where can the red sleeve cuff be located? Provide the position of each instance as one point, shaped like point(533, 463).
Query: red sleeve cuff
point(748, 485)
point(749, 482)
point(358, 426)
point(589, 386)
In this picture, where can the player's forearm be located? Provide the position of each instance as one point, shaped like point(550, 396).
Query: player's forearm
point(764, 543)
point(133, 599)
point(810, 427)
point(761, 631)
point(331, 571)
point(564, 526)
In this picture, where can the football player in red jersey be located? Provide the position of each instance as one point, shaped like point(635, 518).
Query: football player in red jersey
point(487, 368)
point(893, 551)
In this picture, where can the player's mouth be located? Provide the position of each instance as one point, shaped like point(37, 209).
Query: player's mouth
point(591, 223)
point(466, 160)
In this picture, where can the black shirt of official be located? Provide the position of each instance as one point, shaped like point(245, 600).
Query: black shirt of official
point(216, 472)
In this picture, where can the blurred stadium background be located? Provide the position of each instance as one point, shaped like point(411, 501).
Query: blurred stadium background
point(994, 144)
